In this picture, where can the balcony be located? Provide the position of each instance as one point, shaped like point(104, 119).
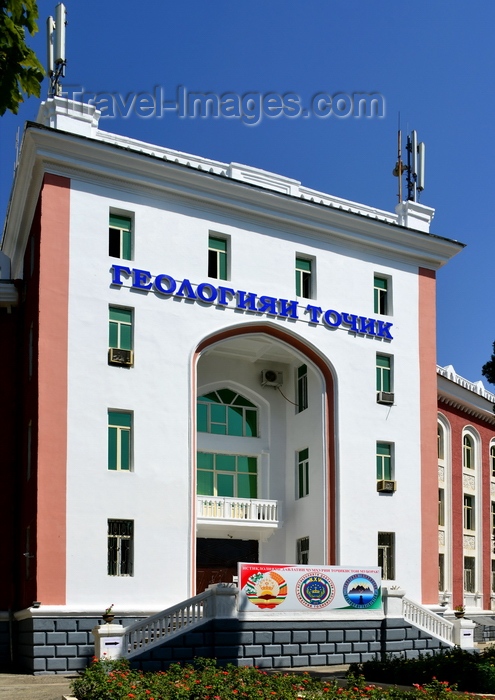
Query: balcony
point(218, 516)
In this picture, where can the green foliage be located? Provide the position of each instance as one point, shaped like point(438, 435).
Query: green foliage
point(488, 369)
point(20, 70)
point(204, 680)
point(469, 672)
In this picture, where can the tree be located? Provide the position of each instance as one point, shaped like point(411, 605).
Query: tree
point(20, 70)
point(488, 369)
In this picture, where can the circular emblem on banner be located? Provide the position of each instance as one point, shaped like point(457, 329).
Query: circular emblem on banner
point(360, 591)
point(266, 590)
point(315, 590)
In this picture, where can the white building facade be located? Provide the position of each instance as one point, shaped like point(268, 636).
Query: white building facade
point(222, 366)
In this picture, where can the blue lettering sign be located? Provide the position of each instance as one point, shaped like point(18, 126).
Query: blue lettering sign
point(117, 270)
point(140, 279)
point(248, 301)
point(172, 284)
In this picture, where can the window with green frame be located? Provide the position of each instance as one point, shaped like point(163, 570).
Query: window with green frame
point(303, 278)
point(381, 293)
point(303, 473)
point(217, 257)
point(234, 476)
point(302, 388)
point(119, 440)
point(120, 237)
point(120, 328)
point(224, 412)
point(383, 461)
point(383, 373)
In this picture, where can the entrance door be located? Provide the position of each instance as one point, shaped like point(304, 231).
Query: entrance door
point(216, 560)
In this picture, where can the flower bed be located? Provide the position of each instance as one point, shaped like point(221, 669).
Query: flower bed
point(114, 680)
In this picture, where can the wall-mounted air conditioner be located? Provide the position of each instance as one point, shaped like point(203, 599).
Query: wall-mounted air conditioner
point(269, 377)
point(387, 486)
point(385, 397)
point(117, 356)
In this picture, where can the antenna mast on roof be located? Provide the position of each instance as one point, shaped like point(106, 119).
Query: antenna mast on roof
point(55, 30)
point(415, 168)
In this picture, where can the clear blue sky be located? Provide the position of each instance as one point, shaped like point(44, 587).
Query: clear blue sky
point(431, 60)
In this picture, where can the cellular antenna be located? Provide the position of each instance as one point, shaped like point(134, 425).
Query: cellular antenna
point(415, 168)
point(55, 30)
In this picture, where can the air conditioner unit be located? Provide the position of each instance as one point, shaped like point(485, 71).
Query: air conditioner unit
point(269, 377)
point(384, 485)
point(117, 356)
point(385, 397)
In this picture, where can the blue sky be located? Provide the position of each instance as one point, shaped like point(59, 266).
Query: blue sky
point(431, 61)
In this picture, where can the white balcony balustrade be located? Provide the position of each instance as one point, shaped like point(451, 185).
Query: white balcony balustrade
point(255, 512)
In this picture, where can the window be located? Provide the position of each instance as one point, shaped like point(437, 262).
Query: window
point(120, 328)
point(303, 473)
point(386, 555)
point(383, 373)
point(224, 412)
point(441, 572)
point(303, 551)
point(440, 442)
point(441, 507)
point(227, 475)
point(492, 460)
point(493, 575)
point(468, 512)
point(381, 293)
point(217, 258)
point(303, 278)
point(467, 452)
point(493, 526)
point(302, 388)
point(119, 440)
point(120, 547)
point(383, 461)
point(469, 575)
point(120, 237)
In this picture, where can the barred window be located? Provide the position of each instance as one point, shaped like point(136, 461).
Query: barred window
point(120, 547)
point(303, 550)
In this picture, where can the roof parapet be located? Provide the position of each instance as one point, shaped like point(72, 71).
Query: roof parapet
point(414, 215)
point(69, 115)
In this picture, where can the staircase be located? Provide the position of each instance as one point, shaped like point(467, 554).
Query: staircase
point(217, 601)
point(428, 621)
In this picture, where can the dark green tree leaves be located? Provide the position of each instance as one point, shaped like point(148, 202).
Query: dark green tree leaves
point(20, 71)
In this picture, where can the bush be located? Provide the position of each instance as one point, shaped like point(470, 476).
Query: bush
point(470, 672)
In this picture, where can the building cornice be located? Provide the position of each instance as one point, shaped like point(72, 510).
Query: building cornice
point(469, 397)
point(361, 228)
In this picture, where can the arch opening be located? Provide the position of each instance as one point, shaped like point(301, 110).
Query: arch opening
point(264, 472)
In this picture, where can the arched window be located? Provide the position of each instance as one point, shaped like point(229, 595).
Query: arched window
point(467, 452)
point(440, 442)
point(492, 460)
point(223, 412)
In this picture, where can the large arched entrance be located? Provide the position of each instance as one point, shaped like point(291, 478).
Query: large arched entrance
point(264, 474)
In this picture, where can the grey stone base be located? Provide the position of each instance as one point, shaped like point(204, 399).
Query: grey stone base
point(291, 644)
point(5, 660)
point(57, 645)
